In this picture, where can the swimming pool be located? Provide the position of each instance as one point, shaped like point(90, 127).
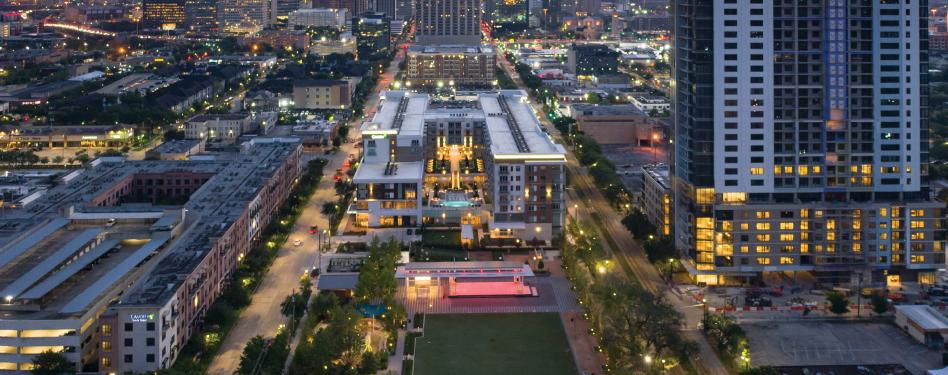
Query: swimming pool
point(456, 204)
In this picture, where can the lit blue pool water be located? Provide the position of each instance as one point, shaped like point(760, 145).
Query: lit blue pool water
point(456, 203)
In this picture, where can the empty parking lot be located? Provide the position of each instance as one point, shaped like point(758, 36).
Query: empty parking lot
point(837, 343)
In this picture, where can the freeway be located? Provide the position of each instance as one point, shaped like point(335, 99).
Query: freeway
point(589, 205)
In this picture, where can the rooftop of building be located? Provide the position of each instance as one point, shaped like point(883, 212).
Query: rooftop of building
point(60, 268)
point(511, 123)
point(389, 172)
point(318, 82)
point(220, 116)
point(450, 48)
point(651, 98)
point(39, 235)
point(659, 173)
point(176, 146)
point(216, 205)
point(607, 110)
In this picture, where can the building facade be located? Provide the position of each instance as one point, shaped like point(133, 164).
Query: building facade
point(448, 22)
point(592, 59)
point(373, 36)
point(434, 66)
point(804, 151)
point(163, 14)
point(322, 94)
point(656, 197)
point(319, 17)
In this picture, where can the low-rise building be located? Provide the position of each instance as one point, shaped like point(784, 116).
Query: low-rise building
point(322, 94)
point(655, 198)
point(651, 104)
point(616, 124)
point(176, 149)
point(318, 17)
point(73, 136)
point(923, 323)
point(441, 66)
point(228, 127)
point(315, 133)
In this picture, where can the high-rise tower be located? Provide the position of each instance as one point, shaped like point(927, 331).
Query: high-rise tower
point(448, 22)
point(801, 140)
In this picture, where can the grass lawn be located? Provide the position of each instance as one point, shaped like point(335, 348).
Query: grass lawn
point(450, 239)
point(493, 344)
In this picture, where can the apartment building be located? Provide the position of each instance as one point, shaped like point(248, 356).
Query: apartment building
point(118, 228)
point(479, 161)
point(318, 17)
point(321, 94)
point(448, 22)
point(804, 151)
point(227, 127)
point(442, 66)
point(655, 199)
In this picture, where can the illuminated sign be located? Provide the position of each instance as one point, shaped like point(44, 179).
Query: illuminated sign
point(141, 318)
point(90, 137)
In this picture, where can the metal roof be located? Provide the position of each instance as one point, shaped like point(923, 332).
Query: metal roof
point(71, 269)
point(343, 281)
point(80, 302)
point(19, 247)
point(61, 255)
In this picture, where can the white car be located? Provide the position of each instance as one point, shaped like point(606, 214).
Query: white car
point(297, 243)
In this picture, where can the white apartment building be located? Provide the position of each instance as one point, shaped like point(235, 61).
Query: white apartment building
point(318, 17)
point(804, 151)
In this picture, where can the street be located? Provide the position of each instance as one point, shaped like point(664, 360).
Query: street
point(263, 316)
point(588, 205)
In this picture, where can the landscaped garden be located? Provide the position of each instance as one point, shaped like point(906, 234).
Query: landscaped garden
point(470, 344)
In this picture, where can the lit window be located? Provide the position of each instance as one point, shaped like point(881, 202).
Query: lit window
point(763, 237)
point(762, 226)
point(786, 260)
point(763, 260)
point(757, 171)
point(786, 237)
point(762, 249)
point(786, 225)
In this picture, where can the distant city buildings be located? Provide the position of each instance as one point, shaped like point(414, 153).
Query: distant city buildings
point(592, 59)
point(465, 66)
point(448, 22)
point(319, 17)
point(373, 36)
point(163, 14)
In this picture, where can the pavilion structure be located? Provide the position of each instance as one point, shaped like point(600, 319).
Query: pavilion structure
point(466, 279)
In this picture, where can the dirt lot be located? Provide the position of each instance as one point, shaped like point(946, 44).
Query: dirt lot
point(832, 343)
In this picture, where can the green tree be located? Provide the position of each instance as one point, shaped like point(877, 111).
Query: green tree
point(52, 363)
point(637, 223)
point(839, 304)
point(377, 275)
point(879, 303)
point(252, 356)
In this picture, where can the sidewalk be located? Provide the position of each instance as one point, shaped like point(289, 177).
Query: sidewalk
point(583, 345)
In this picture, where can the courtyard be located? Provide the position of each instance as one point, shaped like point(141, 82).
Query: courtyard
point(844, 343)
point(473, 344)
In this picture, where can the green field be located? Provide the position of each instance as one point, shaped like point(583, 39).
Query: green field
point(493, 344)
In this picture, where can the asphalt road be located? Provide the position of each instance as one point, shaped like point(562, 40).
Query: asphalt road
point(263, 316)
point(591, 206)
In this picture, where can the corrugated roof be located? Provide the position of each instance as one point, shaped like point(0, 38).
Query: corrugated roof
point(48, 264)
point(80, 302)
